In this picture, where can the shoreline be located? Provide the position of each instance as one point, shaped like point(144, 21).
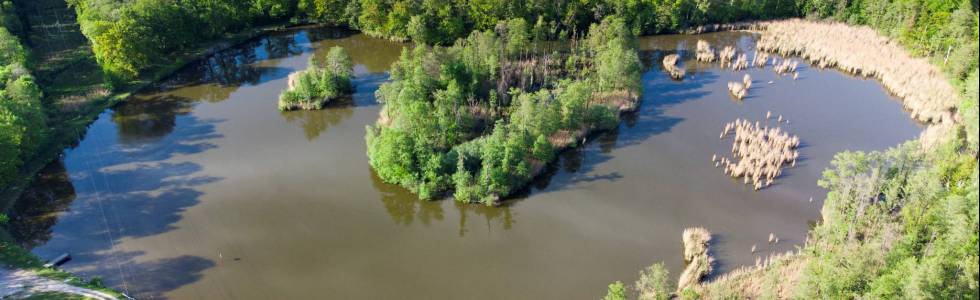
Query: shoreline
point(74, 129)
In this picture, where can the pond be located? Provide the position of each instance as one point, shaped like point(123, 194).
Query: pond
point(202, 189)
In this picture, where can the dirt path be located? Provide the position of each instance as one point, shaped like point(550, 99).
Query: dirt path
point(18, 284)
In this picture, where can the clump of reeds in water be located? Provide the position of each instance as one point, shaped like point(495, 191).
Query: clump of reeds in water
point(704, 52)
point(741, 62)
point(737, 89)
point(670, 65)
point(726, 55)
point(699, 261)
point(862, 51)
point(761, 152)
point(785, 66)
point(760, 59)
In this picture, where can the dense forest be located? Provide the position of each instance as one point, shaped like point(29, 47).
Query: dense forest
point(130, 36)
point(482, 117)
point(23, 121)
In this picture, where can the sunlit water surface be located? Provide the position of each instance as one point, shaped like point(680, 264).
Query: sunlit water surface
point(201, 189)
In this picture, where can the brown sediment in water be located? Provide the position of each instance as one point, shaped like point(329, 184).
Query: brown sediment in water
point(670, 65)
point(761, 152)
point(699, 261)
point(859, 50)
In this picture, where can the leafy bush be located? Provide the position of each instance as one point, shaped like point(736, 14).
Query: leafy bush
point(316, 86)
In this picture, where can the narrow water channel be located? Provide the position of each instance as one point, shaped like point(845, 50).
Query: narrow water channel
point(201, 189)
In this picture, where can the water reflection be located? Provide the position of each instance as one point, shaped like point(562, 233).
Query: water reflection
point(405, 209)
point(32, 217)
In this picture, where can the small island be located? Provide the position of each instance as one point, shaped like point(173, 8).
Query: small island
point(320, 83)
point(479, 120)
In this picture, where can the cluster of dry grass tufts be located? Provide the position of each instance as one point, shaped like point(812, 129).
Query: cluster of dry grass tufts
point(670, 65)
point(861, 51)
point(726, 56)
point(741, 62)
point(704, 52)
point(760, 59)
point(761, 152)
point(699, 261)
point(738, 89)
point(786, 66)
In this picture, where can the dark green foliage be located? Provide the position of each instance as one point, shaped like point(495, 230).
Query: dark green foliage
point(469, 118)
point(616, 291)
point(23, 123)
point(318, 85)
point(130, 36)
point(897, 224)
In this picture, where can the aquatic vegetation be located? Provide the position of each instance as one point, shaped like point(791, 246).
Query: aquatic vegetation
point(785, 66)
point(699, 261)
point(859, 50)
point(726, 56)
point(670, 65)
point(316, 86)
point(741, 62)
point(480, 122)
point(737, 89)
point(761, 152)
point(760, 59)
point(704, 52)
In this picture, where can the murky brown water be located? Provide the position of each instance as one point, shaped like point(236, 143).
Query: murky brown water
point(203, 190)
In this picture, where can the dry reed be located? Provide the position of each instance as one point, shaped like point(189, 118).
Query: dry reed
point(738, 89)
point(741, 62)
point(861, 51)
point(704, 52)
point(696, 242)
point(726, 55)
point(761, 152)
point(670, 65)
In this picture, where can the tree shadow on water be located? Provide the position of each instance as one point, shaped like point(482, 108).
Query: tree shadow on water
point(118, 185)
point(577, 165)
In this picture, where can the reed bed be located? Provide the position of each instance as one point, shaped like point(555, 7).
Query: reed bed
point(741, 62)
point(670, 65)
point(760, 59)
point(861, 51)
point(785, 66)
point(704, 52)
point(737, 89)
point(699, 261)
point(726, 55)
point(761, 152)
